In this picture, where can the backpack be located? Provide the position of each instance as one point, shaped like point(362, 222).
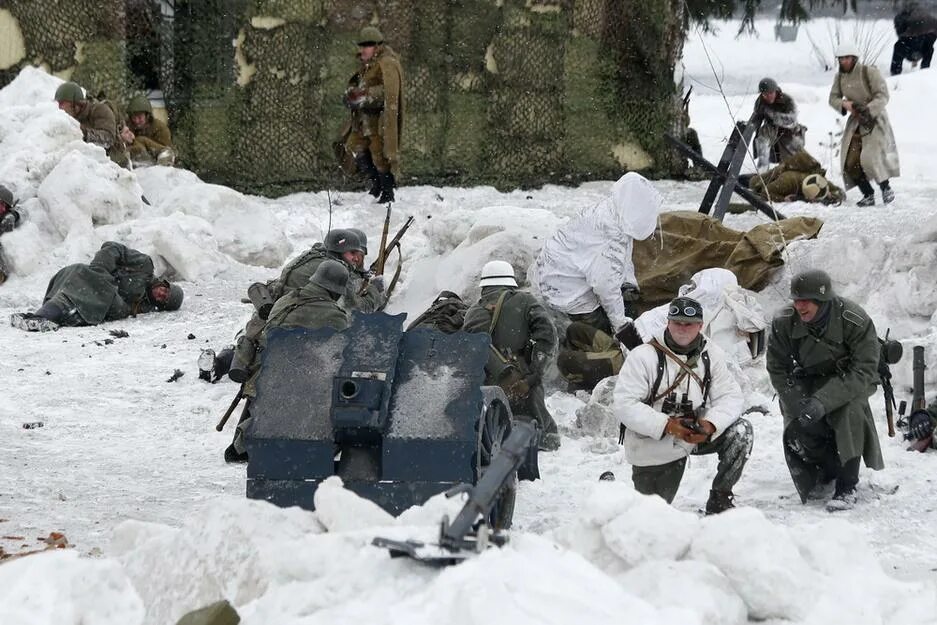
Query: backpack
point(446, 314)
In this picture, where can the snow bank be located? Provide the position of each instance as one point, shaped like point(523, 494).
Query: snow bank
point(627, 554)
point(72, 196)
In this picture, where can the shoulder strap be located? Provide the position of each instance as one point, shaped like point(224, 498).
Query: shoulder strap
point(661, 365)
point(496, 314)
point(707, 377)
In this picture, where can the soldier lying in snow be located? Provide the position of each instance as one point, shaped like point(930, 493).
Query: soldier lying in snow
point(799, 177)
point(118, 283)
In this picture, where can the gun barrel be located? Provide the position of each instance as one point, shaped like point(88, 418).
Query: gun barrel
point(917, 399)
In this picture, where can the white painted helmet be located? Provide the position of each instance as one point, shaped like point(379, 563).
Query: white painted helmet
point(847, 48)
point(497, 273)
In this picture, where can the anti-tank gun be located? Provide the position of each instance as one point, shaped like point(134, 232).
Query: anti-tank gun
point(399, 416)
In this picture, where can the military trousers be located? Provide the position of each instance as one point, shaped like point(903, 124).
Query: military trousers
point(359, 143)
point(534, 406)
point(813, 458)
point(598, 319)
point(588, 356)
point(733, 449)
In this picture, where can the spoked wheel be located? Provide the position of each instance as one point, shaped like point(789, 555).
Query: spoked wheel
point(494, 427)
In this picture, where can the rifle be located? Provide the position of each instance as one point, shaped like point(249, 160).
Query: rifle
point(890, 354)
point(234, 404)
point(918, 402)
point(377, 267)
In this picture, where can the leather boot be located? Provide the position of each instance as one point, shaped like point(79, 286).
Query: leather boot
point(366, 167)
point(387, 188)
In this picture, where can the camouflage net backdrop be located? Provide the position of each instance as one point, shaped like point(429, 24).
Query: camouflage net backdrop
point(504, 92)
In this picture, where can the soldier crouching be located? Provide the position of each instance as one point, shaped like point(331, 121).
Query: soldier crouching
point(662, 429)
point(823, 357)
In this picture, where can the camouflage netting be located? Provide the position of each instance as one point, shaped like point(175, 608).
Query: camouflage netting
point(504, 92)
point(80, 40)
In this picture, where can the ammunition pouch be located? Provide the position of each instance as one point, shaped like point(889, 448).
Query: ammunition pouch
point(507, 372)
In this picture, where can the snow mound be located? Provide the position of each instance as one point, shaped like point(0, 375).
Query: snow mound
point(628, 554)
point(72, 198)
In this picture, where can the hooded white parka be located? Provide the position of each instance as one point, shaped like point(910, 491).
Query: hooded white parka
point(586, 261)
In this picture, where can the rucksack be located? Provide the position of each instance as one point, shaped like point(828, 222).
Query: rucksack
point(446, 314)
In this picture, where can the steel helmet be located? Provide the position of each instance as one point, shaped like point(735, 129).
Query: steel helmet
point(847, 48)
point(497, 273)
point(370, 36)
point(342, 240)
point(6, 196)
point(362, 239)
point(332, 276)
point(69, 92)
point(768, 84)
point(139, 104)
point(176, 295)
point(813, 284)
point(815, 188)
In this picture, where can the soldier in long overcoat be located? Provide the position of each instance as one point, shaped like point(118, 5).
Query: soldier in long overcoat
point(375, 98)
point(868, 151)
point(822, 358)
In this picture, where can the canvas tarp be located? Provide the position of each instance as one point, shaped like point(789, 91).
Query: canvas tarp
point(693, 241)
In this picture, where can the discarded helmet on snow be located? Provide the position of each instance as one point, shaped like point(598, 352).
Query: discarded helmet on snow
point(370, 36)
point(497, 273)
point(846, 48)
point(69, 92)
point(813, 284)
point(332, 276)
point(6, 196)
point(343, 240)
point(139, 104)
point(768, 84)
point(815, 188)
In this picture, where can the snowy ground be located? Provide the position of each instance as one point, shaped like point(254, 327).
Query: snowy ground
point(129, 466)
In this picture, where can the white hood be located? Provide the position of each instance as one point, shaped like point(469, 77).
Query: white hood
point(587, 260)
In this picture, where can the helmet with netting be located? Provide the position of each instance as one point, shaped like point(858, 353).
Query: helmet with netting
point(69, 92)
point(139, 104)
point(342, 240)
point(332, 276)
point(815, 188)
point(813, 284)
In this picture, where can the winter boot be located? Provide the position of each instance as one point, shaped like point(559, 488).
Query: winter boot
point(28, 322)
point(868, 193)
point(719, 501)
point(888, 196)
point(231, 455)
point(206, 362)
point(842, 500)
point(387, 188)
point(366, 167)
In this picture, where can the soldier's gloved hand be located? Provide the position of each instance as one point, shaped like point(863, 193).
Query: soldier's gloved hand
point(519, 390)
point(629, 336)
point(920, 425)
point(810, 411)
point(7, 222)
point(378, 282)
point(677, 429)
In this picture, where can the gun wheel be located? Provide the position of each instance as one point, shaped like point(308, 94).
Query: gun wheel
point(494, 427)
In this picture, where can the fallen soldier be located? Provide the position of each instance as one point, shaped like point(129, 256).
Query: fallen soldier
point(799, 177)
point(117, 283)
